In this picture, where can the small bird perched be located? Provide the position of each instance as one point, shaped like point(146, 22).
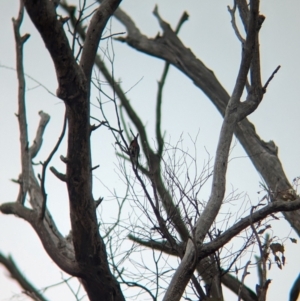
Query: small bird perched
point(134, 150)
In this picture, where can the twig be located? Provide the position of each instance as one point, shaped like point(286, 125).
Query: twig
point(113, 34)
point(95, 167)
point(58, 174)
point(120, 206)
point(233, 22)
point(270, 78)
point(161, 83)
point(30, 77)
point(159, 218)
point(45, 164)
point(261, 290)
point(243, 279)
point(78, 21)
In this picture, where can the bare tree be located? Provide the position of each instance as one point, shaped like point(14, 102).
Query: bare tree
point(164, 189)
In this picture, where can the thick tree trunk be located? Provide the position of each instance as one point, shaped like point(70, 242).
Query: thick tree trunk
point(74, 86)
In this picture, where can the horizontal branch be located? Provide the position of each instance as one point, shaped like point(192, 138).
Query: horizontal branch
point(245, 222)
point(163, 246)
point(228, 280)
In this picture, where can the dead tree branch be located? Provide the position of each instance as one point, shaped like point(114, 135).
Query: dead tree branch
point(169, 48)
point(17, 275)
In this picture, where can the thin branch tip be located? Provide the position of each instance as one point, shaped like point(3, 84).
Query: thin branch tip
point(59, 175)
point(95, 167)
point(99, 201)
point(25, 38)
point(270, 78)
point(64, 159)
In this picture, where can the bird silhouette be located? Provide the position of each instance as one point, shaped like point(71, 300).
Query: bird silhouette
point(134, 150)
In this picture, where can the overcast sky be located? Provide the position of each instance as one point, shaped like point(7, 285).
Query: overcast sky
point(186, 112)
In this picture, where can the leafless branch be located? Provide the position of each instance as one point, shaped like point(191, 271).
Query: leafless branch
point(59, 175)
point(65, 258)
point(25, 158)
point(187, 266)
point(270, 78)
point(17, 275)
point(245, 273)
point(45, 164)
point(37, 143)
point(233, 22)
point(169, 48)
point(152, 158)
point(94, 33)
point(161, 83)
point(295, 290)
point(260, 214)
point(261, 289)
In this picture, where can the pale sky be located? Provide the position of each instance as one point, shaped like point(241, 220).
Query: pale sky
point(186, 112)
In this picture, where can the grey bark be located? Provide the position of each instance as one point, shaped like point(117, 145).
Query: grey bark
point(170, 48)
point(85, 256)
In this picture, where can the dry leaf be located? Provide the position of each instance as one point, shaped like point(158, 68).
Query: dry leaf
point(276, 247)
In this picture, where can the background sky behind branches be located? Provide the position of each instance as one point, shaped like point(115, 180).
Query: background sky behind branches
point(187, 113)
